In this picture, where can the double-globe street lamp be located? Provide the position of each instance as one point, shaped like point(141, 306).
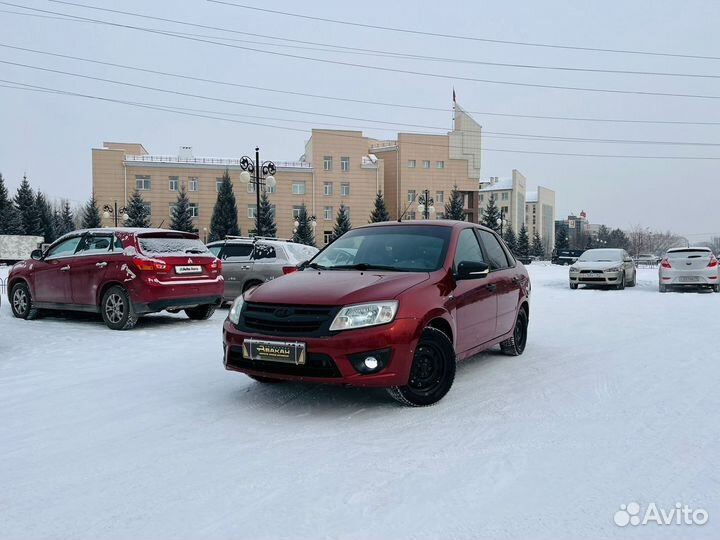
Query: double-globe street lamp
point(296, 223)
point(115, 212)
point(426, 205)
point(501, 221)
point(264, 176)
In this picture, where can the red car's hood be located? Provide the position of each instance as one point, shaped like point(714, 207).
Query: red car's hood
point(335, 287)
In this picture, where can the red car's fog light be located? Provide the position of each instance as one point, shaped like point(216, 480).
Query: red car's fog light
point(370, 361)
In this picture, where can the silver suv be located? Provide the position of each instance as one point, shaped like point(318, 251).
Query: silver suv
point(250, 261)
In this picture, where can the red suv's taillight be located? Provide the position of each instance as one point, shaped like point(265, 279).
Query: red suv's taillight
point(150, 265)
point(288, 269)
point(215, 266)
point(665, 263)
point(713, 262)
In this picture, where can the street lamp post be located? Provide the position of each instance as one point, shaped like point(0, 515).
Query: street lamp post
point(115, 212)
point(313, 223)
point(501, 222)
point(264, 176)
point(426, 205)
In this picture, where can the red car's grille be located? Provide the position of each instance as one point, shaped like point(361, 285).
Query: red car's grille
point(276, 319)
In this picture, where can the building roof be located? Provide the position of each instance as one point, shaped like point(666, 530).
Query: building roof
point(501, 185)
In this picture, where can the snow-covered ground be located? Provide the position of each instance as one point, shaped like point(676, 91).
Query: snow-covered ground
point(142, 434)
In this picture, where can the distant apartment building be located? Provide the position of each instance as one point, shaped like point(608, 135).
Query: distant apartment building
point(338, 168)
point(509, 194)
point(576, 226)
point(540, 216)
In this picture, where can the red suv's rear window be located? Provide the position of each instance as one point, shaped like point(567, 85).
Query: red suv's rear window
point(171, 246)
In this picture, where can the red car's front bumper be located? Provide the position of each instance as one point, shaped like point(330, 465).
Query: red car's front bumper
point(150, 295)
point(400, 337)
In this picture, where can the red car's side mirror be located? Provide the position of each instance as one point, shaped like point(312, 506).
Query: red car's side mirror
point(36, 254)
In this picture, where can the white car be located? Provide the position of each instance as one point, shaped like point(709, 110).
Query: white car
point(609, 267)
point(692, 266)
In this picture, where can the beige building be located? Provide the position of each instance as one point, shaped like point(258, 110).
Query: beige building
point(509, 195)
point(338, 167)
point(540, 216)
point(418, 162)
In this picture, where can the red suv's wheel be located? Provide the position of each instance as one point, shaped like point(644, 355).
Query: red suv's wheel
point(21, 302)
point(432, 372)
point(117, 310)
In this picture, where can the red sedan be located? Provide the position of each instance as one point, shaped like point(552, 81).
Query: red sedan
point(121, 274)
point(389, 305)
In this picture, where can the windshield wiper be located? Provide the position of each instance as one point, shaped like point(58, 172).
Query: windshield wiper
point(314, 266)
point(364, 266)
point(195, 250)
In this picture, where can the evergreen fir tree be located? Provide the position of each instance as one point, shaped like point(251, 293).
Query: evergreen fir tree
point(561, 238)
point(181, 218)
point(510, 238)
point(454, 207)
point(618, 239)
point(10, 220)
point(224, 219)
point(267, 226)
point(538, 250)
point(304, 233)
point(380, 212)
point(29, 213)
point(137, 211)
point(523, 242)
point(4, 200)
point(67, 220)
point(342, 223)
point(491, 214)
point(589, 243)
point(47, 217)
point(91, 214)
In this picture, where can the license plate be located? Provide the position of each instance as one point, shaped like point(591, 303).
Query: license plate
point(288, 352)
point(594, 274)
point(196, 269)
point(688, 279)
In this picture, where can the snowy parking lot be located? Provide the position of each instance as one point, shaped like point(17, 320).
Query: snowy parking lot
point(143, 434)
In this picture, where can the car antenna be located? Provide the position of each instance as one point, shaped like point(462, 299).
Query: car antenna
point(404, 211)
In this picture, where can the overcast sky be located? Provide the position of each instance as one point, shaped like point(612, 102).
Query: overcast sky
point(49, 136)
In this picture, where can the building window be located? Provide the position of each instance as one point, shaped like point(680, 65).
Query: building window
point(269, 189)
point(411, 163)
point(327, 163)
point(193, 183)
point(252, 211)
point(142, 183)
point(426, 163)
point(298, 188)
point(482, 197)
point(440, 164)
point(534, 208)
point(534, 223)
point(345, 163)
point(328, 213)
point(173, 182)
point(218, 184)
point(148, 208)
point(505, 196)
point(194, 209)
point(411, 216)
point(504, 209)
point(347, 212)
point(411, 195)
point(439, 196)
point(296, 211)
point(327, 188)
point(251, 186)
point(345, 189)
point(327, 236)
point(440, 215)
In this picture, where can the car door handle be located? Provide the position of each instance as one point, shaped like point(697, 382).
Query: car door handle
point(516, 279)
point(244, 268)
point(101, 264)
point(65, 268)
point(491, 287)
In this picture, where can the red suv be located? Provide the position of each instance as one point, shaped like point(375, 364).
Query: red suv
point(120, 273)
point(389, 305)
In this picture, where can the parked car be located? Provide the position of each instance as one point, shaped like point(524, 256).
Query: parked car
point(647, 259)
point(121, 274)
point(414, 298)
point(607, 266)
point(689, 267)
point(251, 261)
point(566, 257)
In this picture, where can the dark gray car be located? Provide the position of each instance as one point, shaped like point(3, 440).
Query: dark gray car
point(248, 262)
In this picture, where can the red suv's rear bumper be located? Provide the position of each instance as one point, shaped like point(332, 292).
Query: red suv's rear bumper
point(400, 336)
point(151, 295)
